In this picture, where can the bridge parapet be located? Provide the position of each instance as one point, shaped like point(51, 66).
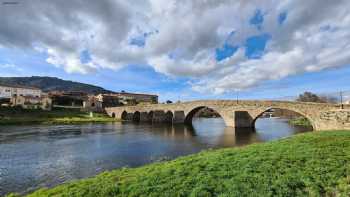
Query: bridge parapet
point(243, 113)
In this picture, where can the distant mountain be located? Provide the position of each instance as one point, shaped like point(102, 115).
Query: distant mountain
point(52, 84)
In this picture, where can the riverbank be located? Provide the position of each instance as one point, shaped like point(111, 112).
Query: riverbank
point(18, 116)
point(300, 121)
point(313, 164)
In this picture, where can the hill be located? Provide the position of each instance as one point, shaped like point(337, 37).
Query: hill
point(52, 84)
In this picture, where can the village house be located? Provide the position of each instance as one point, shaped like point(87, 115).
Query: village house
point(92, 103)
point(26, 97)
point(70, 99)
point(139, 98)
point(8, 91)
point(32, 102)
point(108, 100)
point(101, 101)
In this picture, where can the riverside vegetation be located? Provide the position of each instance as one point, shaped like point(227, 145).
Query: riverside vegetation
point(312, 164)
point(300, 121)
point(17, 115)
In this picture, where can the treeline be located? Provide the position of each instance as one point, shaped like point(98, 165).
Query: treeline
point(311, 97)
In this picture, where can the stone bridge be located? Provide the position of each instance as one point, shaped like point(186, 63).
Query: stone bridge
point(236, 113)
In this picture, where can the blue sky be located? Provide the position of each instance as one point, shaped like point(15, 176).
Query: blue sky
point(255, 52)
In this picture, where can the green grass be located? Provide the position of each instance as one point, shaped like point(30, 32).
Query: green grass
point(15, 116)
point(313, 164)
point(300, 121)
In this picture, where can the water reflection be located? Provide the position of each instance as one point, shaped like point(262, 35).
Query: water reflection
point(37, 156)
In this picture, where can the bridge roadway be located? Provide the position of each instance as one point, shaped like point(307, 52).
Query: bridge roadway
point(242, 113)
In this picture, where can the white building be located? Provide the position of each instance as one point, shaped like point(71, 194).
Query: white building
point(32, 102)
point(9, 91)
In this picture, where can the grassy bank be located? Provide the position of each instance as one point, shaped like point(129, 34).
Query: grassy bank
point(300, 121)
point(15, 116)
point(313, 164)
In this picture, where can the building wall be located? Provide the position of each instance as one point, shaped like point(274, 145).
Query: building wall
point(27, 92)
point(92, 103)
point(145, 98)
point(5, 92)
point(30, 102)
point(139, 98)
point(46, 103)
point(110, 101)
point(8, 92)
point(127, 100)
point(101, 101)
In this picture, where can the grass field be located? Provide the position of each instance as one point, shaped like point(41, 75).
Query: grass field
point(312, 164)
point(15, 116)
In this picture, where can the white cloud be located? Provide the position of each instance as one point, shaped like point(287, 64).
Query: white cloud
point(315, 36)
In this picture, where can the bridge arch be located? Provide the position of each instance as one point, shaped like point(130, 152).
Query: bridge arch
point(136, 116)
point(300, 113)
point(169, 116)
point(150, 116)
point(191, 114)
point(113, 115)
point(124, 115)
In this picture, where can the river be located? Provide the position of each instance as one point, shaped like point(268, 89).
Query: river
point(44, 156)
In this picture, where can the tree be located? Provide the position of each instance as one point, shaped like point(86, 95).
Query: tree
point(310, 97)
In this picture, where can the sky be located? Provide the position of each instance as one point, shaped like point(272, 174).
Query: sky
point(182, 50)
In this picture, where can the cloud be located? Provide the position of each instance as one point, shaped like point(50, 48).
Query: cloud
point(181, 38)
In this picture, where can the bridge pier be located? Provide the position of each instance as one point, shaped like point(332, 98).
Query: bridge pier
point(169, 116)
point(128, 116)
point(136, 117)
point(158, 116)
point(242, 119)
point(145, 117)
point(179, 117)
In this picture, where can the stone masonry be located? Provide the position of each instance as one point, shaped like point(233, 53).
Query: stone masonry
point(236, 113)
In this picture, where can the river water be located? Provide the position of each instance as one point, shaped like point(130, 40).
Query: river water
point(44, 156)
